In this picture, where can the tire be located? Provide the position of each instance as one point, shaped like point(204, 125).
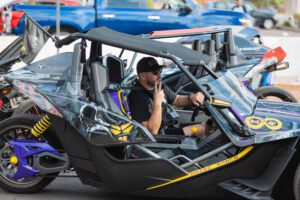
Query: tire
point(271, 91)
point(268, 24)
point(296, 183)
point(26, 107)
point(25, 185)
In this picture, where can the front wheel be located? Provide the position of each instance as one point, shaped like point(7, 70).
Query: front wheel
point(268, 24)
point(18, 128)
point(296, 183)
point(274, 94)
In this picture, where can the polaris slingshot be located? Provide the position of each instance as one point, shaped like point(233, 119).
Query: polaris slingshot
point(253, 152)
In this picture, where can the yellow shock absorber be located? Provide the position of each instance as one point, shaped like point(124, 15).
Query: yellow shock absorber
point(40, 127)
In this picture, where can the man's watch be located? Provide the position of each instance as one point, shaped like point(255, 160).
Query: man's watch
point(189, 97)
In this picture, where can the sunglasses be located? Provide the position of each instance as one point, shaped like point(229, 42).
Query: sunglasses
point(157, 72)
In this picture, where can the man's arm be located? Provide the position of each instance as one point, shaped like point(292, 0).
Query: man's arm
point(154, 122)
point(183, 100)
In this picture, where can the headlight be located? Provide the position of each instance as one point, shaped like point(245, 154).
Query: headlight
point(246, 22)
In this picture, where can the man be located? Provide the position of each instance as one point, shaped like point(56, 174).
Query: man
point(239, 7)
point(148, 101)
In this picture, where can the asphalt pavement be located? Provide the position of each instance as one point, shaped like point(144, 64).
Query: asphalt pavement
point(69, 189)
point(280, 32)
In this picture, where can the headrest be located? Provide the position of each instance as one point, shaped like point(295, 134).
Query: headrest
point(116, 68)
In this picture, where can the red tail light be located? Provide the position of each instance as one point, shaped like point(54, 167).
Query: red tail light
point(16, 17)
point(1, 23)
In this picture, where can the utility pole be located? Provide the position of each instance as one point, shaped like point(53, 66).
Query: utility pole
point(57, 20)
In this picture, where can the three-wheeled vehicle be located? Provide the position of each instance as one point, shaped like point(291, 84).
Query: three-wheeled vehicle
point(253, 153)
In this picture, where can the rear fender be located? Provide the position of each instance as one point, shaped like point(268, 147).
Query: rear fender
point(30, 91)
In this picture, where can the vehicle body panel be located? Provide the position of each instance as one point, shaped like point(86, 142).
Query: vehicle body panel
point(122, 19)
point(46, 16)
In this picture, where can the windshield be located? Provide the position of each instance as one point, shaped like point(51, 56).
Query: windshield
point(230, 88)
point(249, 7)
point(175, 4)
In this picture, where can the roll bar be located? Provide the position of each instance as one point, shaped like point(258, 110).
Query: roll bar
point(69, 39)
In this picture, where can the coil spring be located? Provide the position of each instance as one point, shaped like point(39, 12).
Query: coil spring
point(40, 127)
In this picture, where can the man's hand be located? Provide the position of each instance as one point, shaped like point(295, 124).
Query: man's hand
point(197, 99)
point(159, 95)
point(154, 123)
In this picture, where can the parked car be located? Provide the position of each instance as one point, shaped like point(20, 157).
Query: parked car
point(48, 2)
point(16, 15)
point(131, 16)
point(264, 18)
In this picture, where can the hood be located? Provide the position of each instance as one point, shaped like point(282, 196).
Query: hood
point(269, 122)
point(274, 121)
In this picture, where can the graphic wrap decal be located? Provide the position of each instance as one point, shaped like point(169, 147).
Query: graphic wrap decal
point(208, 168)
point(273, 124)
point(254, 122)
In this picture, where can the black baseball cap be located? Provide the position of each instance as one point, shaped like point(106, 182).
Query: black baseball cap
point(148, 64)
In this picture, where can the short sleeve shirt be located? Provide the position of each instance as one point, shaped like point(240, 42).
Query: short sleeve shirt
point(141, 103)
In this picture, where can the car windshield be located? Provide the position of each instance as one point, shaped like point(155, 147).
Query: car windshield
point(229, 87)
point(249, 7)
point(175, 4)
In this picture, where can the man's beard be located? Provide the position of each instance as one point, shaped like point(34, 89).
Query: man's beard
point(150, 84)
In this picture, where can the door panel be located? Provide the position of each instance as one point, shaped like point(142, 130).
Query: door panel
point(126, 16)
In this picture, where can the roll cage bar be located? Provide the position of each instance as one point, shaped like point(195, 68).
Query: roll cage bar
point(229, 46)
point(96, 53)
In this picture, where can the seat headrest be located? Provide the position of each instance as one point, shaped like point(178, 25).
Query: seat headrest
point(116, 68)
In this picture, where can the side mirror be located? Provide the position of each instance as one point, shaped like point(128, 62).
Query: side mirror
point(185, 10)
point(88, 112)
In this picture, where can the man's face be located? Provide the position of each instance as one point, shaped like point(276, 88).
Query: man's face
point(151, 77)
point(239, 3)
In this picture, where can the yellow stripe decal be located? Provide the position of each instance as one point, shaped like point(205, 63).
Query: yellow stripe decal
point(121, 101)
point(206, 169)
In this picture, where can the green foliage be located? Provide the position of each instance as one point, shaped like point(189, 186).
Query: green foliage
point(297, 18)
point(286, 24)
